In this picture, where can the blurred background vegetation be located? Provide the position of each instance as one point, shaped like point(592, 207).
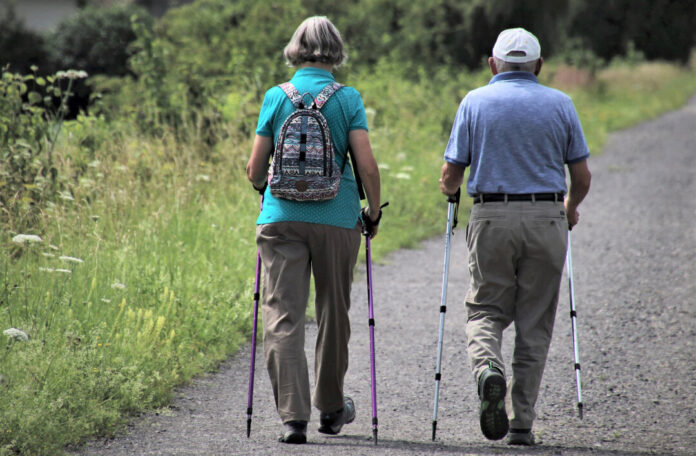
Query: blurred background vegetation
point(123, 140)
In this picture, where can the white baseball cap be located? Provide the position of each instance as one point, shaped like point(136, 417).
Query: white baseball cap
point(516, 45)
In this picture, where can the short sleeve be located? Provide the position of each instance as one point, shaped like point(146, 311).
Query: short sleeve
point(577, 145)
point(457, 150)
point(358, 119)
point(265, 123)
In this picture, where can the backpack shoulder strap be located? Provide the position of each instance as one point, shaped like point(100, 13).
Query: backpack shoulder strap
point(292, 93)
point(326, 93)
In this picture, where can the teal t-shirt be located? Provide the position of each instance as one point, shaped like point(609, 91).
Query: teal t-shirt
point(344, 112)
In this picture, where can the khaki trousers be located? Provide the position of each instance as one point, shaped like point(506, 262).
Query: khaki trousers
point(516, 258)
point(290, 251)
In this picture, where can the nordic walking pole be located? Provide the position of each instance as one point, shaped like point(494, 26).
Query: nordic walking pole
point(373, 376)
point(257, 295)
point(574, 327)
point(452, 210)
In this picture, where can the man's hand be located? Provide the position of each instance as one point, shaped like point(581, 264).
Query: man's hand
point(572, 215)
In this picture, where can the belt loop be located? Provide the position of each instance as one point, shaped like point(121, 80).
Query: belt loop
point(506, 198)
point(555, 197)
point(533, 198)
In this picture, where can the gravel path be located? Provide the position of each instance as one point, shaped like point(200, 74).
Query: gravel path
point(635, 276)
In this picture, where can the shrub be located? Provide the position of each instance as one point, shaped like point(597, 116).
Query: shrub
point(29, 129)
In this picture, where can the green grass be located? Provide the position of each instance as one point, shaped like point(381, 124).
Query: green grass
point(166, 235)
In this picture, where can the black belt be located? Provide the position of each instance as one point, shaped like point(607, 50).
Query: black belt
point(497, 197)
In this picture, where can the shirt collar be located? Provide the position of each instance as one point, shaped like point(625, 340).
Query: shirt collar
point(313, 71)
point(514, 75)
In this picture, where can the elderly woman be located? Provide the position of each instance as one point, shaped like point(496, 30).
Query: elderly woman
point(299, 238)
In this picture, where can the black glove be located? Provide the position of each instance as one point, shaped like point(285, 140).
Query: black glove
point(261, 190)
point(368, 225)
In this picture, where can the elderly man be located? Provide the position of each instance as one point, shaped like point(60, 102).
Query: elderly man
point(516, 136)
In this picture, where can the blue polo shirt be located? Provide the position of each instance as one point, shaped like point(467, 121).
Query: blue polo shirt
point(344, 112)
point(516, 136)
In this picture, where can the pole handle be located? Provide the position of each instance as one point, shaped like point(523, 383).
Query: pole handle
point(455, 198)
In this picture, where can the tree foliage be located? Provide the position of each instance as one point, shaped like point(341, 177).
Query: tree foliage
point(660, 29)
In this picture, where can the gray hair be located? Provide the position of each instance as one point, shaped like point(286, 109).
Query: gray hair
point(503, 66)
point(315, 40)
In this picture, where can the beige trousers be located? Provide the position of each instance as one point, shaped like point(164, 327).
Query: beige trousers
point(516, 258)
point(290, 252)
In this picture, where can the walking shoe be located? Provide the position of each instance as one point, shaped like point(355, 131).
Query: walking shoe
point(295, 432)
point(331, 423)
point(494, 420)
point(521, 437)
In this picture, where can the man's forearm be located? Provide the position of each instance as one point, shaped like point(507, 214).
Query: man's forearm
point(580, 178)
point(451, 178)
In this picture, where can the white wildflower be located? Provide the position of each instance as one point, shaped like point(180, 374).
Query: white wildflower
point(51, 246)
point(108, 301)
point(48, 254)
point(383, 166)
point(26, 238)
point(401, 156)
point(71, 74)
point(94, 164)
point(66, 196)
point(71, 259)
point(404, 176)
point(121, 168)
point(118, 285)
point(16, 334)
point(202, 178)
point(407, 169)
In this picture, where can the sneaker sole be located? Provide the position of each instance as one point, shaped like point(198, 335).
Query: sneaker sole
point(494, 420)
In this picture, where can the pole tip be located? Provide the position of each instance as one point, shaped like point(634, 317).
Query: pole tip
point(248, 427)
point(434, 429)
point(580, 409)
point(374, 435)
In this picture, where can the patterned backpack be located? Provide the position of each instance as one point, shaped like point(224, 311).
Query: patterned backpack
point(303, 167)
